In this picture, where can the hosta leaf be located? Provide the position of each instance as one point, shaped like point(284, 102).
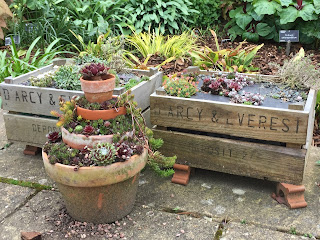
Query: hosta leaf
point(263, 29)
point(263, 7)
point(288, 14)
point(243, 20)
point(307, 13)
point(252, 37)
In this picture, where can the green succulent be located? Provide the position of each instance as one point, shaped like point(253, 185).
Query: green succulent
point(103, 154)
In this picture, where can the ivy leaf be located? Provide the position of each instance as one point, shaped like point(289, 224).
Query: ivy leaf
point(289, 14)
point(263, 29)
point(243, 20)
point(252, 37)
point(263, 7)
point(285, 3)
point(307, 13)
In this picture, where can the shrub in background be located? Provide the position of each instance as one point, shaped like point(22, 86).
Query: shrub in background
point(208, 14)
point(170, 16)
point(263, 19)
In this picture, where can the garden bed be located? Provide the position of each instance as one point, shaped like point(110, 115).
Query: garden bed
point(29, 118)
point(269, 141)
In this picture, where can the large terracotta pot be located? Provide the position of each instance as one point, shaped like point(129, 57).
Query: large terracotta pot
point(101, 114)
point(79, 141)
point(99, 90)
point(98, 194)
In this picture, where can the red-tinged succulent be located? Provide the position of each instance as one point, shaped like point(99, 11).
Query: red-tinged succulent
point(54, 137)
point(124, 151)
point(93, 69)
point(88, 130)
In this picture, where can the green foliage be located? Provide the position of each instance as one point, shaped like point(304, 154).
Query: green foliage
point(44, 81)
point(149, 44)
point(67, 77)
point(263, 19)
point(155, 144)
point(208, 14)
point(180, 86)
point(230, 60)
point(167, 16)
point(53, 19)
point(18, 62)
point(299, 72)
point(60, 152)
point(103, 154)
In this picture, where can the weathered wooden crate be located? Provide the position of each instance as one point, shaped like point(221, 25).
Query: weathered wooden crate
point(29, 118)
point(36, 100)
point(32, 130)
point(261, 142)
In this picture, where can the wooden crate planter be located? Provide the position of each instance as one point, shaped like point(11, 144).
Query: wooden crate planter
point(29, 107)
point(256, 141)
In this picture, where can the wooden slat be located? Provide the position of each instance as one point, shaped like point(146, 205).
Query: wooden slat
point(35, 100)
point(236, 157)
point(26, 76)
point(264, 123)
point(144, 89)
point(310, 108)
point(29, 130)
point(256, 76)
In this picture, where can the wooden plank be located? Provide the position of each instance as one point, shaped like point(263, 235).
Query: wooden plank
point(143, 90)
point(26, 76)
point(256, 76)
point(282, 125)
point(35, 100)
point(235, 157)
point(146, 115)
point(310, 108)
point(30, 130)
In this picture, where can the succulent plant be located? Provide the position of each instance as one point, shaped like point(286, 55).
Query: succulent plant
point(54, 137)
point(93, 69)
point(124, 151)
point(103, 154)
point(88, 130)
point(78, 129)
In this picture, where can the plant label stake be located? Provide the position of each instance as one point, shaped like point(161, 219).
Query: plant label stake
point(288, 36)
point(16, 39)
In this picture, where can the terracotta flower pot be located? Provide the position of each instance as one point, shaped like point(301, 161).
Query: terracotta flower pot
point(101, 114)
point(98, 90)
point(79, 141)
point(98, 194)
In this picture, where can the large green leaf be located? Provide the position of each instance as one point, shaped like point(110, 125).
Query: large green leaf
point(285, 3)
point(263, 29)
point(243, 20)
point(307, 13)
point(234, 12)
point(289, 14)
point(264, 7)
point(252, 37)
point(316, 4)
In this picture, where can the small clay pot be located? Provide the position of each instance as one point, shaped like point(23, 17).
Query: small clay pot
point(79, 141)
point(100, 114)
point(99, 89)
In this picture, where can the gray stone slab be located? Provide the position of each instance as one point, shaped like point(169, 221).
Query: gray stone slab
point(14, 164)
point(32, 216)
point(3, 136)
point(12, 197)
point(222, 195)
point(237, 231)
